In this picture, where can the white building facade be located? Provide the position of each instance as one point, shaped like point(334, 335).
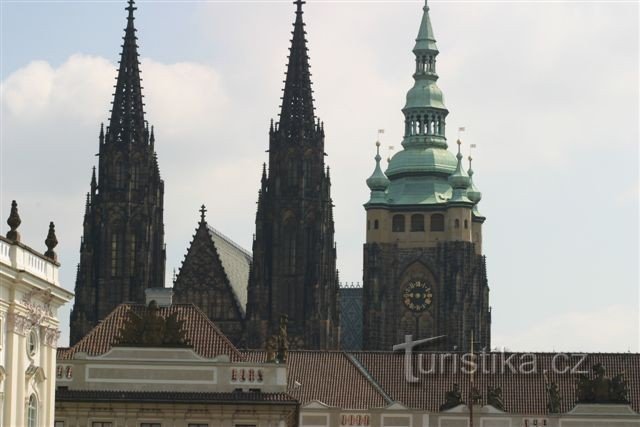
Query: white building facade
point(30, 296)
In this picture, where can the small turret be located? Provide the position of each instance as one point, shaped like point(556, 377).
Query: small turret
point(459, 181)
point(472, 191)
point(378, 181)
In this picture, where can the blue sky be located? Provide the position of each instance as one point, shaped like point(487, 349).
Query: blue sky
point(547, 91)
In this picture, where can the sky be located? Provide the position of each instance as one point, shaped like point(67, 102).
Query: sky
point(548, 92)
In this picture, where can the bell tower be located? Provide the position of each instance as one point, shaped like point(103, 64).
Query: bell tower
point(122, 248)
point(424, 272)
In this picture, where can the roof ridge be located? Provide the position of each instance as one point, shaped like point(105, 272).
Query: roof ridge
point(355, 362)
point(219, 331)
point(229, 240)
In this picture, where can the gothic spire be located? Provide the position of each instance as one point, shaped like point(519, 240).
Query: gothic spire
point(127, 115)
point(297, 114)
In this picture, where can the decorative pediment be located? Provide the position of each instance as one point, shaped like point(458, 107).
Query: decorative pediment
point(36, 373)
point(396, 406)
point(316, 404)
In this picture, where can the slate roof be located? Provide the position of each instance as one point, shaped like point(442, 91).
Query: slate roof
point(236, 262)
point(203, 335)
point(163, 396)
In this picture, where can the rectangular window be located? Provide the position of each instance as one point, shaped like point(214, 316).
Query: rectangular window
point(58, 424)
point(150, 425)
point(197, 425)
point(102, 424)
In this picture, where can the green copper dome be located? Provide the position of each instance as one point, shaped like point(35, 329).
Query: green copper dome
point(422, 161)
point(424, 172)
point(472, 191)
point(378, 181)
point(425, 93)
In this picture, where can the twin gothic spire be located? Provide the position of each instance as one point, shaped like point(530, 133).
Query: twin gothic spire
point(127, 122)
point(297, 114)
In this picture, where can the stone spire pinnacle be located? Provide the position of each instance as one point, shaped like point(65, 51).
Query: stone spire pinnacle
point(14, 222)
point(297, 113)
point(127, 115)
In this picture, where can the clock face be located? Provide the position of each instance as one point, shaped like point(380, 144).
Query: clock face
point(417, 296)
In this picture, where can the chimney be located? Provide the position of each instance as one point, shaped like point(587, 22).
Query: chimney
point(162, 296)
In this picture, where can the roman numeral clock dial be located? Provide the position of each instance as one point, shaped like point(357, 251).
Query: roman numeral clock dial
point(417, 296)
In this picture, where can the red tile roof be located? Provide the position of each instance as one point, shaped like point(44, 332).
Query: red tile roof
point(203, 335)
point(523, 393)
point(330, 377)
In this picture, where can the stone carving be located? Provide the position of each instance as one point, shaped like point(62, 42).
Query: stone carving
point(152, 330)
point(14, 222)
point(452, 398)
point(494, 397)
point(18, 323)
point(38, 312)
point(51, 336)
point(601, 389)
point(278, 345)
point(474, 396)
point(554, 399)
point(51, 242)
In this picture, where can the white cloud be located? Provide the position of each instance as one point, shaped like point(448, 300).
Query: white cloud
point(548, 92)
point(613, 328)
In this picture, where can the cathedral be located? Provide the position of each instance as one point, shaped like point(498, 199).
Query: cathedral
point(122, 249)
point(424, 271)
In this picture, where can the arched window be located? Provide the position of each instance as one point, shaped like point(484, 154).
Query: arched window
point(376, 224)
point(132, 254)
point(457, 223)
point(116, 254)
point(118, 174)
point(466, 223)
point(417, 222)
point(32, 411)
point(397, 223)
point(437, 222)
point(135, 172)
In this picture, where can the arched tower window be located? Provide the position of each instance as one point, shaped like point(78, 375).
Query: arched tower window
point(116, 254)
point(437, 222)
point(457, 223)
point(417, 222)
point(397, 224)
point(32, 411)
point(118, 174)
point(466, 223)
point(132, 254)
point(135, 175)
point(376, 224)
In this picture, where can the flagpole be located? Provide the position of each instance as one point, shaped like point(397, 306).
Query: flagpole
point(471, 389)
